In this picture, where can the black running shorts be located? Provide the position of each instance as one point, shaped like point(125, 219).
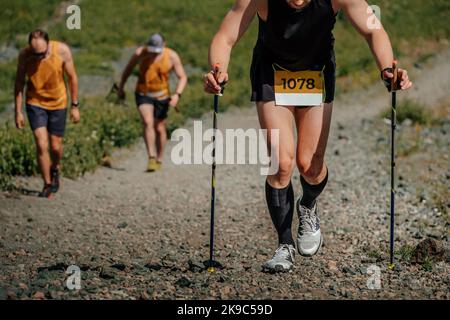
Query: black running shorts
point(262, 79)
point(161, 107)
point(53, 120)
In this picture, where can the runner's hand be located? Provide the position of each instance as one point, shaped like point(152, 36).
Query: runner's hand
point(20, 120)
point(174, 100)
point(121, 94)
point(212, 81)
point(74, 115)
point(403, 78)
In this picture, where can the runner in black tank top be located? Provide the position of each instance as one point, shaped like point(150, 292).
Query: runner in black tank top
point(294, 35)
point(294, 40)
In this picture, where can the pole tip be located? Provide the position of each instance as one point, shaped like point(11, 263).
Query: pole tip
point(391, 266)
point(211, 270)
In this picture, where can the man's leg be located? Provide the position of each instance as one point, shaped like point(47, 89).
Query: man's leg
point(43, 155)
point(146, 112)
point(56, 147)
point(161, 138)
point(313, 127)
point(56, 128)
point(279, 193)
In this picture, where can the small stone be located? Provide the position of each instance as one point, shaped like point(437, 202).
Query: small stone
point(20, 253)
point(154, 266)
point(428, 249)
point(348, 270)
point(122, 225)
point(184, 282)
point(22, 286)
point(39, 295)
point(107, 273)
point(225, 291)
point(119, 266)
point(296, 285)
point(332, 265)
point(195, 265)
point(54, 294)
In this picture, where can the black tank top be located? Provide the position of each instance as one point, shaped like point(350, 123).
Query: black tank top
point(297, 39)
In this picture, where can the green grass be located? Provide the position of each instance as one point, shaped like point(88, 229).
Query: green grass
point(375, 254)
point(406, 252)
point(20, 17)
point(409, 109)
point(427, 264)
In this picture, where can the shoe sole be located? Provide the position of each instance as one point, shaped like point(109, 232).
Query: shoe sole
point(277, 269)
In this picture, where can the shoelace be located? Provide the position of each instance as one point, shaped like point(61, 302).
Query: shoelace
point(308, 220)
point(283, 252)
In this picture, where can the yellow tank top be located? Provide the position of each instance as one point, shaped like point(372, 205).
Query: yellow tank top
point(154, 76)
point(46, 87)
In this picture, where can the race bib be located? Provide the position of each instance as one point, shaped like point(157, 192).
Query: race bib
point(299, 88)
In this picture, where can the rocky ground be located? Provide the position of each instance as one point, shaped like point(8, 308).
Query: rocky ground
point(144, 236)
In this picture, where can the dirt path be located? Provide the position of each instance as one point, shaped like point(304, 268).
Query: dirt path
point(136, 235)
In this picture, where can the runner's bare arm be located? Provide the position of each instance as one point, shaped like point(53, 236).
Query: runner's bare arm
point(129, 68)
point(18, 89)
point(179, 71)
point(69, 69)
point(181, 75)
point(233, 27)
point(359, 13)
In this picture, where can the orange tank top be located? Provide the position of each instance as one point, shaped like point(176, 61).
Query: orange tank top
point(46, 87)
point(154, 76)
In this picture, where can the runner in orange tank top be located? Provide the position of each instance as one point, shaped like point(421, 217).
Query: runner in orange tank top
point(42, 65)
point(152, 93)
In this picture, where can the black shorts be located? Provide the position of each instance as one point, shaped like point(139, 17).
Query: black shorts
point(53, 120)
point(161, 107)
point(262, 78)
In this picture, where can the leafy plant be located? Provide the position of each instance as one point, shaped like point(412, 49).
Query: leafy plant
point(103, 128)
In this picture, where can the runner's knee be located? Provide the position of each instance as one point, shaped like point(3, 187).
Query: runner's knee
point(148, 122)
point(42, 146)
point(56, 147)
point(310, 167)
point(285, 168)
point(160, 128)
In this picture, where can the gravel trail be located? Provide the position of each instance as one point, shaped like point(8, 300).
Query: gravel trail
point(144, 236)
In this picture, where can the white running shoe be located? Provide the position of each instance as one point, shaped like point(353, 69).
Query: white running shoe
point(282, 261)
point(309, 237)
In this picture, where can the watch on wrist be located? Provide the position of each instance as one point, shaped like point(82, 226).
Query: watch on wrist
point(75, 104)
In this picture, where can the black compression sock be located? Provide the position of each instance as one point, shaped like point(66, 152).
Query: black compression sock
point(311, 192)
point(281, 207)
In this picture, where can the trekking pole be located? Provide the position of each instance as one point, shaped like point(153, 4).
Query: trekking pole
point(393, 128)
point(212, 264)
